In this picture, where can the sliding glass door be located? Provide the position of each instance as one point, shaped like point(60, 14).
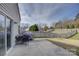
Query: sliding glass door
point(8, 26)
point(2, 35)
point(5, 34)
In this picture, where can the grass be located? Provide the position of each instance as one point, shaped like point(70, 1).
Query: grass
point(58, 32)
point(75, 37)
point(65, 41)
point(71, 44)
point(74, 40)
point(61, 31)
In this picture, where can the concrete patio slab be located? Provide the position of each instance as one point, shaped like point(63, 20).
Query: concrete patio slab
point(39, 48)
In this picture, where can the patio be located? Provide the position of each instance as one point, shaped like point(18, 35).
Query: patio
point(39, 48)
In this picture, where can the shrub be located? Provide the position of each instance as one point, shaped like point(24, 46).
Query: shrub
point(33, 28)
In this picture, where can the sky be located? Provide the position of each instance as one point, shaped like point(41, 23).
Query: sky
point(47, 13)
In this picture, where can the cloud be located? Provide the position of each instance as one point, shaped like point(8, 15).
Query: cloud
point(46, 13)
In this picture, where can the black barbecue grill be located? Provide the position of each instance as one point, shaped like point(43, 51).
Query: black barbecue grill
point(24, 37)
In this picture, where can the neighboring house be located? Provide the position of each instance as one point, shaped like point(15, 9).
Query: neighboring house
point(9, 26)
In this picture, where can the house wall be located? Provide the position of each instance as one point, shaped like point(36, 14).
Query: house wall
point(14, 32)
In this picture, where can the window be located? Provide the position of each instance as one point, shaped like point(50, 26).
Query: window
point(2, 35)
